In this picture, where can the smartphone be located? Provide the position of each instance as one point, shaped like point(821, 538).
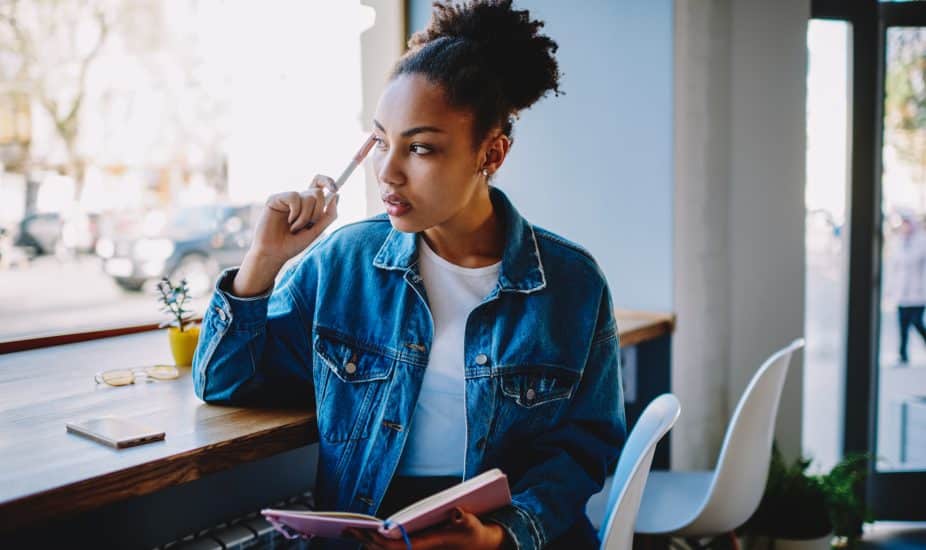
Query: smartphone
point(115, 432)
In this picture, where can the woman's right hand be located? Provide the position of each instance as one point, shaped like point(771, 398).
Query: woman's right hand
point(282, 233)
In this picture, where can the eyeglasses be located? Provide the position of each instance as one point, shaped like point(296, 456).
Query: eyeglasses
point(124, 377)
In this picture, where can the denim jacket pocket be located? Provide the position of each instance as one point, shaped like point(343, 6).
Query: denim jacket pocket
point(353, 378)
point(534, 385)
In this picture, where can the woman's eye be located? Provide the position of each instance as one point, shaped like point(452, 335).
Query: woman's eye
point(420, 149)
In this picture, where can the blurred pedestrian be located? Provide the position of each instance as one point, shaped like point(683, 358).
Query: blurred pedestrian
point(908, 270)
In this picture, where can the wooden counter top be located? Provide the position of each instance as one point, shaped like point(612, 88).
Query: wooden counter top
point(635, 327)
point(46, 472)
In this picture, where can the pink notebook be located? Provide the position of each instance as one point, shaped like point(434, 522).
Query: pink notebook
point(478, 495)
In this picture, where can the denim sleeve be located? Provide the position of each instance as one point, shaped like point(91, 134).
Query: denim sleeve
point(256, 350)
point(551, 494)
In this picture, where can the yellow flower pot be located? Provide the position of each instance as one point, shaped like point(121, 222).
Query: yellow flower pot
point(183, 344)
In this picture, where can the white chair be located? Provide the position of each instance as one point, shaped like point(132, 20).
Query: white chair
point(633, 466)
point(705, 504)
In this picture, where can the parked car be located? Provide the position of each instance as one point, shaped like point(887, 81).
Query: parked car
point(195, 243)
point(52, 232)
point(40, 232)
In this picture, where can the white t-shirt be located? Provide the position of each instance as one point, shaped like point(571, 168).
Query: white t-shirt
point(437, 437)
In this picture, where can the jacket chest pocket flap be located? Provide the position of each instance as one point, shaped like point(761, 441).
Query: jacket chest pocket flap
point(534, 385)
point(351, 388)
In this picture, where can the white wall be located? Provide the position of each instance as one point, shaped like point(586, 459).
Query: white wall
point(739, 220)
point(595, 165)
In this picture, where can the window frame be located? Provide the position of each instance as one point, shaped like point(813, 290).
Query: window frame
point(39, 342)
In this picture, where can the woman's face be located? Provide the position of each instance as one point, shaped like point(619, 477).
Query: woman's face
point(427, 169)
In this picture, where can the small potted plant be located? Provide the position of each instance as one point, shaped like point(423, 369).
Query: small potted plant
point(182, 333)
point(799, 511)
point(843, 489)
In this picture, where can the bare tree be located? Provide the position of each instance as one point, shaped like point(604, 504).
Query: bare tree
point(48, 48)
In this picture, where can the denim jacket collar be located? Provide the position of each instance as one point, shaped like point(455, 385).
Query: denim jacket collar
point(521, 269)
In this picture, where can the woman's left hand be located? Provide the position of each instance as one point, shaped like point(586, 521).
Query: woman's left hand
point(464, 531)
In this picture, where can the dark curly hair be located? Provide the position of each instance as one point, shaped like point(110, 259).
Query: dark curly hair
point(488, 57)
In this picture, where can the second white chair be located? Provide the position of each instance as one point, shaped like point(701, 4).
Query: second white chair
point(703, 504)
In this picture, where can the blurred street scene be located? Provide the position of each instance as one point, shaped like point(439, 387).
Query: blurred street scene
point(140, 139)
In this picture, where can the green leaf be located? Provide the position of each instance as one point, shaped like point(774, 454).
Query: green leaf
point(173, 299)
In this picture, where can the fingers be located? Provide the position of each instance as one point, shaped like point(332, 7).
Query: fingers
point(312, 205)
point(465, 520)
point(324, 182)
point(371, 540)
point(305, 210)
point(293, 202)
point(318, 226)
point(461, 532)
point(329, 214)
point(438, 540)
point(284, 202)
point(358, 535)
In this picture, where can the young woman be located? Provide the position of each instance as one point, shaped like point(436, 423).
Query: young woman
point(448, 336)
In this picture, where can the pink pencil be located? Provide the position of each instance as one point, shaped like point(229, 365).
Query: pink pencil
point(354, 163)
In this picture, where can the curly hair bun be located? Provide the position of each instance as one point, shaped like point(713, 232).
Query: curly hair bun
point(488, 56)
point(509, 41)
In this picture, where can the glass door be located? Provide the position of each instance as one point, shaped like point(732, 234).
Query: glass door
point(884, 386)
point(898, 379)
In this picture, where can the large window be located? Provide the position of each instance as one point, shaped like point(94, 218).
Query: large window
point(139, 138)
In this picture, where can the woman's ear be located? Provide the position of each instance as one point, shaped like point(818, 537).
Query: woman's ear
point(496, 152)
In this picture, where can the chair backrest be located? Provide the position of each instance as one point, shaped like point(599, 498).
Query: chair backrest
point(742, 469)
point(633, 468)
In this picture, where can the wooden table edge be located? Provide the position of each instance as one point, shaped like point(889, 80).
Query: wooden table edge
point(148, 477)
point(656, 325)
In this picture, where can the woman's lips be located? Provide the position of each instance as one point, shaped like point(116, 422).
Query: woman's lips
point(396, 205)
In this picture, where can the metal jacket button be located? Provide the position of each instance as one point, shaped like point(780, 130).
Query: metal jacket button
point(482, 359)
point(350, 368)
point(531, 394)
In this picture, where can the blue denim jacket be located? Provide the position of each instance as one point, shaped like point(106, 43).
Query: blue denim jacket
point(349, 328)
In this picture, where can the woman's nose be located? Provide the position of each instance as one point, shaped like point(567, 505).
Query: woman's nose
point(388, 170)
